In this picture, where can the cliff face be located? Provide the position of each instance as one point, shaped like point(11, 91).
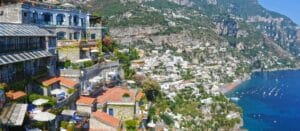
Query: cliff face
point(243, 25)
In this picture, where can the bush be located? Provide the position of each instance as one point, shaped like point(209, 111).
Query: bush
point(167, 119)
point(3, 86)
point(131, 125)
point(67, 64)
point(51, 101)
point(64, 124)
point(88, 63)
point(126, 95)
point(71, 91)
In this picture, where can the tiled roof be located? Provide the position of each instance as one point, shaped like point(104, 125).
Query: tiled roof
point(7, 29)
point(85, 100)
point(15, 95)
point(106, 119)
point(115, 95)
point(67, 82)
point(64, 81)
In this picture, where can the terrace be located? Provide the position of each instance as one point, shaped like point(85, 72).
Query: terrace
point(63, 90)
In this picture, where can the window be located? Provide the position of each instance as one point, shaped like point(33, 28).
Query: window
point(76, 35)
point(111, 112)
point(25, 14)
point(70, 36)
point(93, 36)
point(61, 35)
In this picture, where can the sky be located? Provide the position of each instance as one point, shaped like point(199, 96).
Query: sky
point(290, 8)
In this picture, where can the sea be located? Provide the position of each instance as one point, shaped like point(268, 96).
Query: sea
point(270, 101)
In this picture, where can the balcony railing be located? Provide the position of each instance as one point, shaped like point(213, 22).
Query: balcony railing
point(72, 98)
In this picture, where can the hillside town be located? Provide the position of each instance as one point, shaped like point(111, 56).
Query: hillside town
point(60, 70)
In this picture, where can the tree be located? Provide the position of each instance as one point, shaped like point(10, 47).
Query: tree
point(151, 88)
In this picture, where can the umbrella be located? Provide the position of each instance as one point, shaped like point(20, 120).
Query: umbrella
point(39, 102)
point(44, 116)
point(151, 124)
point(56, 91)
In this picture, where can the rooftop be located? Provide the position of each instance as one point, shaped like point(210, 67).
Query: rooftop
point(64, 81)
point(85, 100)
point(15, 95)
point(107, 119)
point(115, 95)
point(8, 29)
point(13, 114)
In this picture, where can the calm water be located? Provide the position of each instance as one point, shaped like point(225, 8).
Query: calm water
point(270, 101)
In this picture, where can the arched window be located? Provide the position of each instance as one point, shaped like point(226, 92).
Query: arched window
point(60, 19)
point(61, 35)
point(47, 17)
point(76, 20)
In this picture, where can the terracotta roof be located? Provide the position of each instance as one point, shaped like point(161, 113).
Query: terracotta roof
point(64, 81)
point(67, 82)
point(15, 95)
point(49, 81)
point(115, 95)
point(86, 100)
point(139, 96)
point(106, 119)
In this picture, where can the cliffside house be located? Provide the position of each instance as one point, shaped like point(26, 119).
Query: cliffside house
point(25, 51)
point(76, 31)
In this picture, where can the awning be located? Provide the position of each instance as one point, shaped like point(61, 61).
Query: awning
point(23, 56)
point(68, 112)
point(15, 115)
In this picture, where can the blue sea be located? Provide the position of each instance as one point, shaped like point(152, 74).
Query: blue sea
point(270, 101)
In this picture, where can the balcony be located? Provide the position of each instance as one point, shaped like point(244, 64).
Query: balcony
point(68, 99)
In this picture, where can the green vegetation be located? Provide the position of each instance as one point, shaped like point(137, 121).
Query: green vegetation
point(131, 125)
point(151, 88)
point(68, 64)
point(167, 119)
point(187, 75)
point(125, 59)
point(51, 101)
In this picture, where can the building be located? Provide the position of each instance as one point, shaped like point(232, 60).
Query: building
point(102, 121)
point(65, 91)
point(73, 28)
point(26, 50)
point(86, 104)
point(119, 102)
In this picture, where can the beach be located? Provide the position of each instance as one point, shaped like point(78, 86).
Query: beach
point(231, 86)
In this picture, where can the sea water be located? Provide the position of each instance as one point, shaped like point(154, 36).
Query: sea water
point(270, 101)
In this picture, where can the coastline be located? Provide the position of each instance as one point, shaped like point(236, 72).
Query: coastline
point(231, 86)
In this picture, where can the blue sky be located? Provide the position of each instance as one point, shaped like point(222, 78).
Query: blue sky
point(290, 8)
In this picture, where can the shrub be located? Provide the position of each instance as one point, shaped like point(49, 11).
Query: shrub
point(126, 95)
point(64, 124)
point(67, 64)
point(71, 91)
point(131, 125)
point(167, 119)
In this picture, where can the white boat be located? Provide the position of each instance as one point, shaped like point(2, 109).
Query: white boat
point(234, 98)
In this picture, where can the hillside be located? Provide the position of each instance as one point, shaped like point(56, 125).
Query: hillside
point(223, 39)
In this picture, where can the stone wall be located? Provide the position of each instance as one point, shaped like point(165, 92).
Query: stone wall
point(84, 108)
point(122, 112)
point(11, 13)
point(97, 125)
point(69, 53)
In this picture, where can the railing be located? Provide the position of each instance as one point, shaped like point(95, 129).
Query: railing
point(70, 73)
point(67, 100)
point(88, 43)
